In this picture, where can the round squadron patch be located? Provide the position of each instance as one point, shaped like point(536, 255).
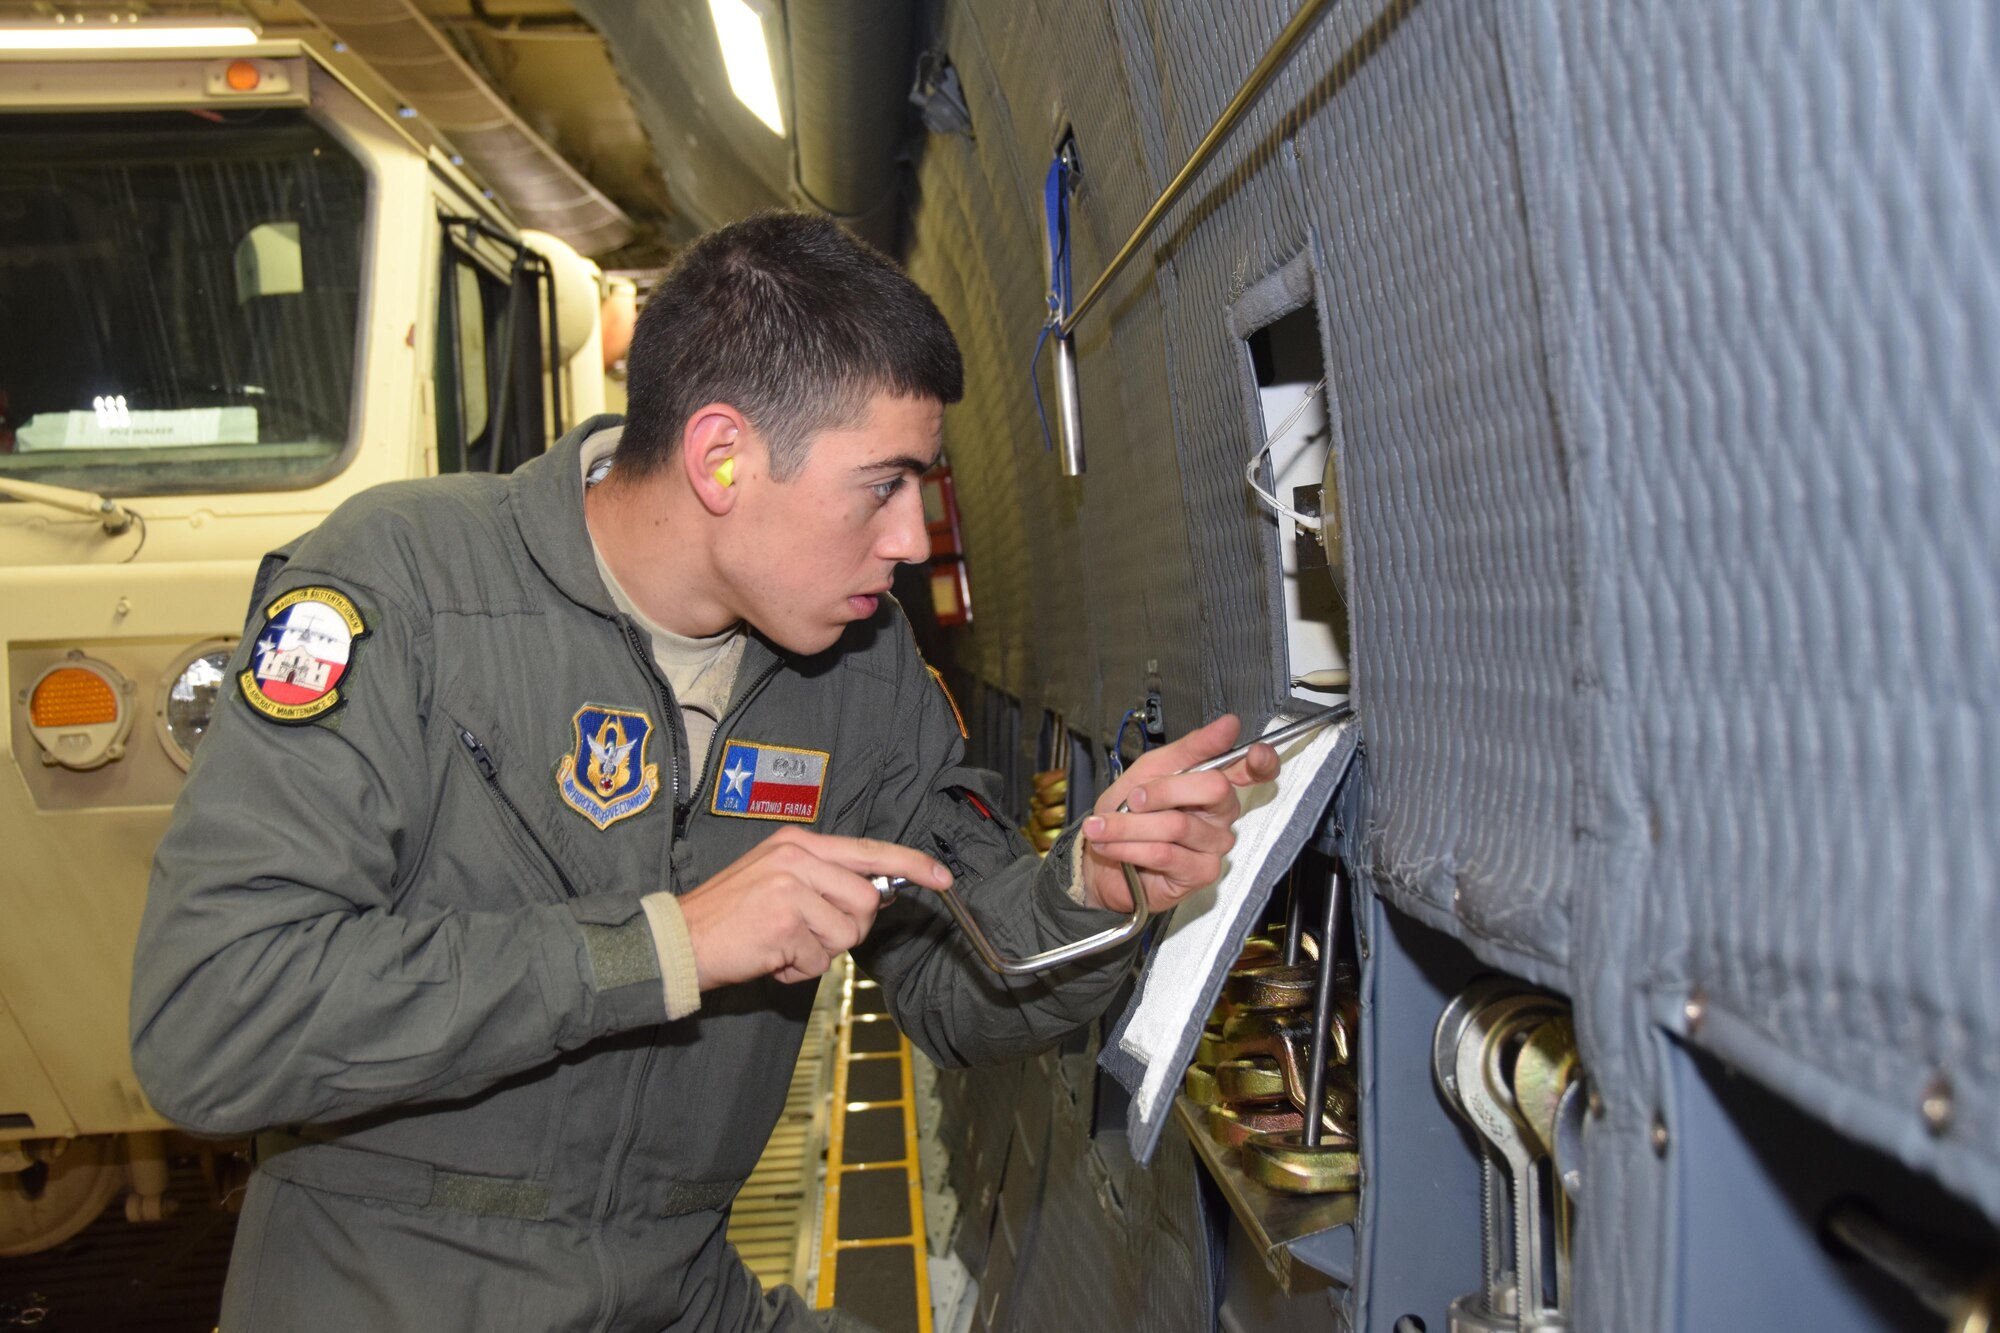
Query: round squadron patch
point(302, 654)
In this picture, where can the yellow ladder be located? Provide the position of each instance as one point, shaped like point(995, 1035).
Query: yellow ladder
point(873, 1262)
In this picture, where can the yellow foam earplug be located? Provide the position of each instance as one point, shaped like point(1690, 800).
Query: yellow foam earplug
point(726, 474)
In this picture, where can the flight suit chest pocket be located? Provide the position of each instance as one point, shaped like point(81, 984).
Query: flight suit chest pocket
point(519, 820)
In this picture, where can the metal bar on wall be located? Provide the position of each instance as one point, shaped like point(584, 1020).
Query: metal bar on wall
point(1246, 96)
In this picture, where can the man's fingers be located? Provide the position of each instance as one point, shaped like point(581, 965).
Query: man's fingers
point(1184, 868)
point(1197, 747)
point(1260, 765)
point(1212, 792)
point(844, 890)
point(1185, 828)
point(835, 930)
point(871, 856)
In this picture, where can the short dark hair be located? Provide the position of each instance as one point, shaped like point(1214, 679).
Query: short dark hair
point(791, 320)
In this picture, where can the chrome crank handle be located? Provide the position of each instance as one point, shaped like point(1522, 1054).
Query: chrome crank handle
point(1130, 927)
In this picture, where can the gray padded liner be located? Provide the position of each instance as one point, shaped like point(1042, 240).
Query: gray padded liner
point(1665, 343)
point(1784, 253)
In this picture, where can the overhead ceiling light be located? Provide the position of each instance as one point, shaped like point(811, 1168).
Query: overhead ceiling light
point(107, 34)
point(746, 54)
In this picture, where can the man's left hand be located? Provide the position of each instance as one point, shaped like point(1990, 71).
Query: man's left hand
point(1180, 825)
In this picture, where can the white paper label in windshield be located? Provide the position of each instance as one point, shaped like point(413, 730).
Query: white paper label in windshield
point(139, 430)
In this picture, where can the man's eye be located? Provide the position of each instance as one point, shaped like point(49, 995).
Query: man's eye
point(884, 490)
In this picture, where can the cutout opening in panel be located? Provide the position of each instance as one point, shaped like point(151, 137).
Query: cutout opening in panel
point(1287, 361)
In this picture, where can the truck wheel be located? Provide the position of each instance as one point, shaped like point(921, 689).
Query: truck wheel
point(58, 1194)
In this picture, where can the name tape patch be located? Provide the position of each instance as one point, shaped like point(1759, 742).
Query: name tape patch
point(770, 782)
point(303, 652)
point(605, 776)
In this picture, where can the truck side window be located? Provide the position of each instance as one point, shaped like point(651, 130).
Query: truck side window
point(469, 305)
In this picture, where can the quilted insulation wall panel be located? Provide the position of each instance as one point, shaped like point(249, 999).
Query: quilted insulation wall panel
point(1662, 348)
point(1783, 282)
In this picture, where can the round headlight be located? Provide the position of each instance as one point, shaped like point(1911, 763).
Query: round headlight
point(77, 713)
point(188, 698)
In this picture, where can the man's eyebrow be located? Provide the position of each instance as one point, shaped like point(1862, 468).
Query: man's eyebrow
point(900, 463)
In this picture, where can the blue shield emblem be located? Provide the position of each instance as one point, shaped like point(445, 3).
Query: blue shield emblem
point(605, 776)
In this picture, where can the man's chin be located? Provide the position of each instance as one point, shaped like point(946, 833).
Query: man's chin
point(810, 641)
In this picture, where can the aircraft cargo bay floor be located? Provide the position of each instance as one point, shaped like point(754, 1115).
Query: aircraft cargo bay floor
point(834, 1207)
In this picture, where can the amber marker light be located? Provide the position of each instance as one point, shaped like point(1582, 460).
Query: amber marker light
point(73, 696)
point(243, 76)
point(78, 712)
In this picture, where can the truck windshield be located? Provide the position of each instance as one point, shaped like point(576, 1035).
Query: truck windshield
point(180, 299)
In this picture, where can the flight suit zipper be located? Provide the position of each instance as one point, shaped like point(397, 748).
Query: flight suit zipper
point(489, 769)
point(950, 858)
point(670, 712)
point(682, 810)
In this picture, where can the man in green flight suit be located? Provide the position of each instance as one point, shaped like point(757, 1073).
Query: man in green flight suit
point(535, 798)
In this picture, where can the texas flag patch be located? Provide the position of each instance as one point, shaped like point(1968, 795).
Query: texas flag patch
point(770, 782)
point(302, 654)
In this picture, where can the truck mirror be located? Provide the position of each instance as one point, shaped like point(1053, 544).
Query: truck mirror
point(269, 262)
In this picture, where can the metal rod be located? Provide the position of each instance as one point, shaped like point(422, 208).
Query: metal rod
point(1941, 1288)
point(1069, 408)
point(1295, 917)
point(1141, 913)
point(1315, 1107)
point(1253, 87)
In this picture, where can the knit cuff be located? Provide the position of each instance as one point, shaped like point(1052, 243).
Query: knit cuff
point(676, 950)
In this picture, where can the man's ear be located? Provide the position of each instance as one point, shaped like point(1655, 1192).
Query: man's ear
point(712, 455)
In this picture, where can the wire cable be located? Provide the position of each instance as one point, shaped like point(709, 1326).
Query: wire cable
point(1272, 502)
point(1118, 743)
point(1035, 383)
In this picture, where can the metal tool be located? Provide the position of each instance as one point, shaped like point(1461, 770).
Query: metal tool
point(1275, 987)
point(1568, 1156)
point(1251, 1082)
point(1208, 1051)
point(1287, 1163)
point(1488, 1100)
point(1287, 1038)
point(1295, 917)
point(1129, 928)
point(1322, 1033)
point(1496, 1286)
point(1309, 1162)
point(1543, 1072)
point(1238, 1125)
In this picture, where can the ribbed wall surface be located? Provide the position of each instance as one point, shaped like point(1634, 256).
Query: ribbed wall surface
point(1664, 346)
point(1794, 279)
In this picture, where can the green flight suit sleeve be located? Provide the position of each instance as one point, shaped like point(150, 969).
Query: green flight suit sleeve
point(954, 1007)
point(277, 980)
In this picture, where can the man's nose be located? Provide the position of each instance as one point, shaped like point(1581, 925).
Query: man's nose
point(907, 541)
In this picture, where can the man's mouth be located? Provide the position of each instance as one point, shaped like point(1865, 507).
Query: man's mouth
point(863, 604)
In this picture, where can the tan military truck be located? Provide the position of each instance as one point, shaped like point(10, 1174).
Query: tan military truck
point(233, 292)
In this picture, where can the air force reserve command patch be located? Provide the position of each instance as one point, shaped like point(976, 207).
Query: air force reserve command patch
point(605, 776)
point(303, 652)
point(770, 782)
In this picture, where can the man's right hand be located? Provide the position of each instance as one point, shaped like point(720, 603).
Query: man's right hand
point(791, 905)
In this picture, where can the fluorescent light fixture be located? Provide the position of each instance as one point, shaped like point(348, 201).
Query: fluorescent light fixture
point(746, 54)
point(108, 34)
